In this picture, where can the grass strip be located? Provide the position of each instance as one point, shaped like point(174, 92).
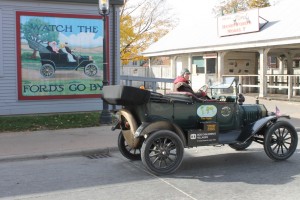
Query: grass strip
point(48, 122)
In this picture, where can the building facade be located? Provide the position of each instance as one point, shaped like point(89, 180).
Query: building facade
point(247, 45)
point(51, 55)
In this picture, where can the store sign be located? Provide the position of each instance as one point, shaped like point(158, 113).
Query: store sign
point(210, 55)
point(59, 56)
point(238, 23)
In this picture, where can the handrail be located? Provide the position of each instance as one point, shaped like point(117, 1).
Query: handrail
point(128, 81)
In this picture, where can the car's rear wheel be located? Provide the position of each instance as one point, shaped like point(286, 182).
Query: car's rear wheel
point(127, 151)
point(47, 70)
point(90, 70)
point(280, 140)
point(162, 152)
point(239, 146)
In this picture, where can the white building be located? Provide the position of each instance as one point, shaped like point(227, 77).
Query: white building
point(243, 45)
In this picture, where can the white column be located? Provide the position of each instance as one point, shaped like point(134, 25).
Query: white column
point(173, 65)
point(190, 63)
point(221, 64)
point(263, 58)
point(290, 71)
point(190, 66)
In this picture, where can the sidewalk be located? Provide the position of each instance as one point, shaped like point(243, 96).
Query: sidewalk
point(57, 143)
point(94, 140)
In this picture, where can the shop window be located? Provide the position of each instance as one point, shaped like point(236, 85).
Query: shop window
point(198, 62)
point(272, 61)
point(211, 66)
point(1, 50)
point(296, 63)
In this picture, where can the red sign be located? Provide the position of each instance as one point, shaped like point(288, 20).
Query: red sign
point(238, 23)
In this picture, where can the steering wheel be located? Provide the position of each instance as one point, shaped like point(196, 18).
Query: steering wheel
point(203, 90)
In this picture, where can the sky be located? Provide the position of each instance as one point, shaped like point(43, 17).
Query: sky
point(86, 33)
point(186, 9)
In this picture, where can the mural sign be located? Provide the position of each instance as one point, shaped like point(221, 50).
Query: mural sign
point(59, 56)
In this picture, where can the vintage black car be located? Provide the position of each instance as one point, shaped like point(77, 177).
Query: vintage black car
point(52, 62)
point(156, 128)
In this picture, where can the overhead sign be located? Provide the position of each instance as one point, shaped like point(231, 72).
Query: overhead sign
point(210, 55)
point(238, 23)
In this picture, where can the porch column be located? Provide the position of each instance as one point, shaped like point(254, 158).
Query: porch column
point(190, 62)
point(173, 70)
point(190, 65)
point(290, 71)
point(263, 58)
point(221, 64)
point(289, 66)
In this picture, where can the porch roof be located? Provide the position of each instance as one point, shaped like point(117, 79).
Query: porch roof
point(281, 30)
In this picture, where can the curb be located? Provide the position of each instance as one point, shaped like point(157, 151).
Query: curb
point(57, 155)
point(67, 153)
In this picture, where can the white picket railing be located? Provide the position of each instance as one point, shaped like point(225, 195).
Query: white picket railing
point(160, 78)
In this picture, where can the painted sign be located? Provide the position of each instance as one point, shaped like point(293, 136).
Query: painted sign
point(226, 111)
point(59, 56)
point(207, 111)
point(207, 135)
point(238, 23)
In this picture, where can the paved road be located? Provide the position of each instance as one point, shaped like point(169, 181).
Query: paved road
point(208, 173)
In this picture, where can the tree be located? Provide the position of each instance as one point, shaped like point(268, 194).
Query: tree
point(35, 31)
point(142, 24)
point(232, 6)
point(258, 3)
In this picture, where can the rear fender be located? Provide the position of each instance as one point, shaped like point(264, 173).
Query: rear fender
point(129, 128)
point(145, 129)
point(46, 61)
point(251, 129)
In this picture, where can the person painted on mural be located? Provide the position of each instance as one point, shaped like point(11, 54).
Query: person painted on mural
point(64, 50)
point(70, 51)
point(182, 84)
point(68, 48)
point(49, 47)
point(54, 47)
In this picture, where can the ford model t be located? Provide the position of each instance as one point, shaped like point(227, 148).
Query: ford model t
point(156, 128)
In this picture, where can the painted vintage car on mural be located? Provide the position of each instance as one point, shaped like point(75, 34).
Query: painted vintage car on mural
point(54, 61)
point(156, 128)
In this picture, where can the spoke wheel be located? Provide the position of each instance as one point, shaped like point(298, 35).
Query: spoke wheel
point(90, 70)
point(162, 152)
point(127, 151)
point(280, 141)
point(239, 146)
point(47, 71)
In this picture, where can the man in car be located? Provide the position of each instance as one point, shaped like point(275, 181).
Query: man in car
point(182, 84)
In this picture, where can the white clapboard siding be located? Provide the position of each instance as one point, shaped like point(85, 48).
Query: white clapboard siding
point(9, 103)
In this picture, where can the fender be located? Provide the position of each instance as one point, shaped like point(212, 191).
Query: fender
point(46, 61)
point(251, 129)
point(147, 128)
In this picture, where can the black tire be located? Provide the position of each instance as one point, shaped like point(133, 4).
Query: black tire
point(47, 71)
point(280, 141)
point(162, 152)
point(90, 70)
point(126, 151)
point(240, 146)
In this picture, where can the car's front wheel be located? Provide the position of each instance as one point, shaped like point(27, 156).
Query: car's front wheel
point(162, 152)
point(47, 71)
point(90, 70)
point(280, 140)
